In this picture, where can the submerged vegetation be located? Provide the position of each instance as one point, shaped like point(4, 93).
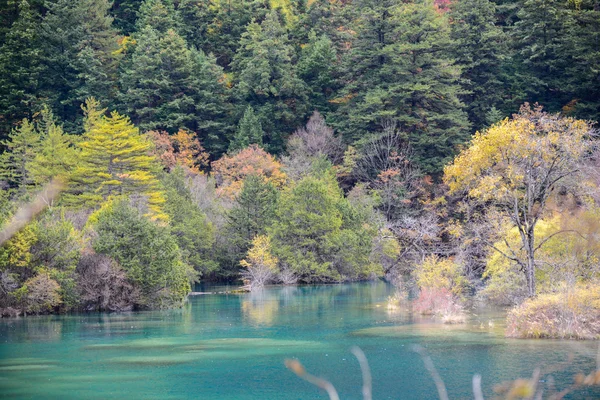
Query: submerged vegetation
point(450, 149)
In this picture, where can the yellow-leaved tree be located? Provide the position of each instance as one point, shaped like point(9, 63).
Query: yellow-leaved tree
point(115, 160)
point(260, 264)
point(516, 166)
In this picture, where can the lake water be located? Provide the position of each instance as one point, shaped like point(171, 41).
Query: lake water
point(233, 347)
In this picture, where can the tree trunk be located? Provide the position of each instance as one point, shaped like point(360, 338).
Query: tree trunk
point(530, 267)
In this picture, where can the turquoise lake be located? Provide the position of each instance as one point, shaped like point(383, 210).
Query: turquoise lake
point(233, 347)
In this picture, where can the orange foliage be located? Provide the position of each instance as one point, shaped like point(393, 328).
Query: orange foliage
point(182, 149)
point(230, 171)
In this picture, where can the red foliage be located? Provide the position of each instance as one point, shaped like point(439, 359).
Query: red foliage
point(182, 149)
point(230, 171)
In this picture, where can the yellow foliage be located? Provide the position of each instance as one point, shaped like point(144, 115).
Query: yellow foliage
point(437, 273)
point(497, 160)
point(259, 255)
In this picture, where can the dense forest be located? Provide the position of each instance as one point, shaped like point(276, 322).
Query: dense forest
point(448, 146)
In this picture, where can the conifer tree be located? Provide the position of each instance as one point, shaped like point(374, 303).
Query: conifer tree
point(479, 48)
point(21, 148)
point(19, 69)
point(399, 68)
point(266, 79)
point(158, 14)
point(168, 86)
point(249, 132)
point(114, 161)
point(253, 212)
point(216, 27)
point(78, 43)
point(57, 156)
point(317, 68)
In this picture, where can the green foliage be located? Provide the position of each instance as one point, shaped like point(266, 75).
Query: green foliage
point(22, 146)
point(266, 79)
point(146, 251)
point(77, 43)
point(249, 132)
point(168, 86)
point(319, 235)
point(194, 233)
point(114, 161)
point(20, 68)
point(399, 68)
point(252, 214)
point(317, 67)
point(479, 48)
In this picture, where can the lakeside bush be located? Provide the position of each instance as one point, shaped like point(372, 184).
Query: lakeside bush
point(574, 314)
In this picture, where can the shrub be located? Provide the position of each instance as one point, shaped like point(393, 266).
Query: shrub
point(569, 315)
point(103, 285)
point(441, 303)
point(441, 275)
point(39, 294)
point(147, 252)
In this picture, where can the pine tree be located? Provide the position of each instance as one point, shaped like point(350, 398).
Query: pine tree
point(21, 148)
point(114, 161)
point(253, 212)
point(158, 14)
point(399, 68)
point(78, 44)
point(317, 68)
point(168, 86)
point(57, 156)
point(19, 69)
point(266, 79)
point(216, 27)
point(479, 48)
point(249, 132)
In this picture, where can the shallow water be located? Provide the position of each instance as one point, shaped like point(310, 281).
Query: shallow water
point(233, 347)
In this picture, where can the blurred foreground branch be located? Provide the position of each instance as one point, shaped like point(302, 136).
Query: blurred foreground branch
point(27, 212)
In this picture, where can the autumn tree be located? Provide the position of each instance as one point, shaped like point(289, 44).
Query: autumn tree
point(181, 149)
point(230, 171)
point(516, 166)
point(260, 266)
point(115, 160)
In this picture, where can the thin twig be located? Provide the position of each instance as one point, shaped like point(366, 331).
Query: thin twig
point(439, 383)
point(367, 388)
point(296, 367)
point(477, 392)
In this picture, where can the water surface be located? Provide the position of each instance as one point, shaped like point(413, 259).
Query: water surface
point(233, 347)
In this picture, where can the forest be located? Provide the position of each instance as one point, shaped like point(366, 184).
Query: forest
point(447, 146)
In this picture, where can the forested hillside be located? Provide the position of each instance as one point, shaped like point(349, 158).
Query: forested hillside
point(297, 141)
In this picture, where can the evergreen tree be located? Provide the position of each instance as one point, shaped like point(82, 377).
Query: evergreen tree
point(252, 214)
point(479, 48)
point(317, 68)
point(146, 251)
point(249, 132)
point(125, 13)
point(318, 234)
point(266, 79)
point(540, 57)
point(168, 87)
point(399, 68)
point(195, 235)
point(56, 157)
point(158, 14)
point(216, 27)
point(114, 161)
point(19, 69)
point(78, 44)
point(22, 147)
